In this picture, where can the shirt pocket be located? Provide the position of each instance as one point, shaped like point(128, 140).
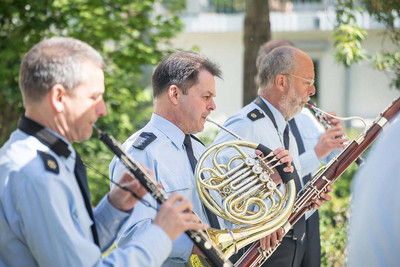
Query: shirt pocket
point(310, 133)
point(177, 184)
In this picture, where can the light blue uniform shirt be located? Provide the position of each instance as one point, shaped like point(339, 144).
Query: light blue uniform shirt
point(260, 131)
point(374, 232)
point(44, 222)
point(167, 158)
point(310, 131)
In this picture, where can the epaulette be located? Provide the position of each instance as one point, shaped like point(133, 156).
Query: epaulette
point(197, 139)
point(50, 162)
point(255, 114)
point(143, 140)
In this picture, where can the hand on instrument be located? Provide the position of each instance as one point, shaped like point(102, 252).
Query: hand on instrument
point(284, 157)
point(334, 122)
point(122, 199)
point(175, 217)
point(270, 241)
point(328, 141)
point(322, 198)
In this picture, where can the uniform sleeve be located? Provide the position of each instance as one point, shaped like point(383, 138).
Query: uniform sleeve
point(142, 216)
point(333, 154)
point(149, 248)
point(109, 220)
point(374, 232)
point(51, 223)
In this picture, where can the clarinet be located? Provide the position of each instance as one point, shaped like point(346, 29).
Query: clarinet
point(255, 256)
point(327, 125)
point(200, 238)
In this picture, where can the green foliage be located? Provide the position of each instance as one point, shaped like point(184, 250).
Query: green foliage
point(385, 11)
point(207, 136)
point(389, 61)
point(128, 34)
point(333, 221)
point(349, 36)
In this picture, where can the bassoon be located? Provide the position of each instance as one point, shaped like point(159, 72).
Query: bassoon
point(255, 256)
point(199, 238)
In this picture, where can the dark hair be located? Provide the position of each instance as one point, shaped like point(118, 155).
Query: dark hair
point(181, 69)
point(54, 61)
point(268, 47)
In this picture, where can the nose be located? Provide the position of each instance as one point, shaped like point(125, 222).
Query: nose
point(101, 109)
point(212, 105)
point(312, 91)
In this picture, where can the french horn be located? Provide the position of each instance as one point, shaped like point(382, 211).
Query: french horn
point(238, 186)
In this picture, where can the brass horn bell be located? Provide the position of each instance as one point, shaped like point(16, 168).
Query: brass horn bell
point(238, 186)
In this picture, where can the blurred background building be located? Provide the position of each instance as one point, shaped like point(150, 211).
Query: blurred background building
point(216, 28)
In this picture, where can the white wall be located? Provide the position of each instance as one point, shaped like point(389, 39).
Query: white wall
point(367, 92)
point(227, 50)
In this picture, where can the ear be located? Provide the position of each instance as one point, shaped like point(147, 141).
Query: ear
point(281, 82)
point(57, 97)
point(174, 94)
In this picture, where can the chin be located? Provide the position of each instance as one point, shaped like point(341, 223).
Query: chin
point(201, 127)
point(198, 129)
point(85, 137)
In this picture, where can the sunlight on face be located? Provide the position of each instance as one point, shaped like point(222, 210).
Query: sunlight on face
point(85, 104)
point(197, 104)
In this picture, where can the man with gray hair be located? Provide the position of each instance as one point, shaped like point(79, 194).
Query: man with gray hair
point(316, 146)
point(46, 217)
point(286, 78)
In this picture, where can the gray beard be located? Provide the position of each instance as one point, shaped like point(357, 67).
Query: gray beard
point(291, 104)
point(288, 110)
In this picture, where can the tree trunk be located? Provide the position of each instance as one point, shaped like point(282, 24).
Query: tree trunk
point(257, 30)
point(9, 114)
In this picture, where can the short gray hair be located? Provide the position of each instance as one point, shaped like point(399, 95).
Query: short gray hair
point(268, 47)
point(56, 60)
point(281, 60)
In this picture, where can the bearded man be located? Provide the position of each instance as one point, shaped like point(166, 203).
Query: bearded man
point(286, 79)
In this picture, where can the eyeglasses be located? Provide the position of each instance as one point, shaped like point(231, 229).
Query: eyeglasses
point(312, 81)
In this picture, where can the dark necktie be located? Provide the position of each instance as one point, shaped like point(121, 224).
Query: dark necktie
point(189, 151)
point(286, 143)
point(286, 137)
point(212, 218)
point(300, 227)
point(81, 178)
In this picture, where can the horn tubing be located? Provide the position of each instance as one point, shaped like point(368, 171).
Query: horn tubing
point(250, 189)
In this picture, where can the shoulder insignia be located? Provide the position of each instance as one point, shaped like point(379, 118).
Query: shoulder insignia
point(197, 139)
point(143, 140)
point(50, 162)
point(255, 114)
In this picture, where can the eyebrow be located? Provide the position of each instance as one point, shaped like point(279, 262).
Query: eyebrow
point(211, 93)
